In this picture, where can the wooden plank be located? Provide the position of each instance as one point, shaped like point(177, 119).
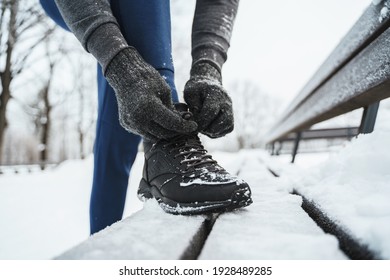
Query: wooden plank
point(363, 81)
point(274, 227)
point(329, 133)
point(352, 246)
point(364, 31)
point(291, 235)
point(148, 234)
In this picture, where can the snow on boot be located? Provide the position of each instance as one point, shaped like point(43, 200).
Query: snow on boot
point(185, 179)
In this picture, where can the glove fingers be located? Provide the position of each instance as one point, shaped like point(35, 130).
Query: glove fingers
point(149, 137)
point(207, 115)
point(159, 132)
point(221, 125)
point(193, 101)
point(172, 121)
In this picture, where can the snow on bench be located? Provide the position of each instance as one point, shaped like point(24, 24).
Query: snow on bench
point(349, 198)
point(274, 227)
point(147, 234)
point(352, 190)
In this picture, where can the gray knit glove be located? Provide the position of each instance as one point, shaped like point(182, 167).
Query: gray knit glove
point(208, 101)
point(144, 98)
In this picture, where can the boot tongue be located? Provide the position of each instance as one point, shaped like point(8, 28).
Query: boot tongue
point(182, 108)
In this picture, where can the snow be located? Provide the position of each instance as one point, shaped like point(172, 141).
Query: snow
point(139, 237)
point(274, 227)
point(211, 178)
point(384, 12)
point(44, 213)
point(352, 187)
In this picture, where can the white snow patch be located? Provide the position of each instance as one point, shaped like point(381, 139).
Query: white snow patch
point(44, 213)
point(352, 187)
point(212, 178)
point(273, 227)
point(140, 237)
point(385, 11)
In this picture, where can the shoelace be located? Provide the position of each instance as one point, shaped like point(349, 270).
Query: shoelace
point(191, 150)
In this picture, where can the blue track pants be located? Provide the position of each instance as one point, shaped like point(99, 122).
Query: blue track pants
point(146, 25)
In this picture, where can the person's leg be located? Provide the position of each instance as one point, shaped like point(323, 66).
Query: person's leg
point(146, 26)
point(115, 150)
point(114, 154)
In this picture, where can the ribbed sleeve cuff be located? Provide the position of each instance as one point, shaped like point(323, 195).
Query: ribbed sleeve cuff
point(210, 55)
point(105, 43)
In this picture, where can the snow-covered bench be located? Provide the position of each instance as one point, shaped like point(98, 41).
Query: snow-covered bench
point(275, 226)
point(278, 225)
point(355, 75)
point(147, 234)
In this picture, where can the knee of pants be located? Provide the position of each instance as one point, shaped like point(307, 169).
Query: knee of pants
point(52, 11)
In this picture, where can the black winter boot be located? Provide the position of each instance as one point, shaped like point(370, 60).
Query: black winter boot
point(184, 179)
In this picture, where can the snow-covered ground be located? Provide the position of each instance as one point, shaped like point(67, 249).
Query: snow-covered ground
point(44, 213)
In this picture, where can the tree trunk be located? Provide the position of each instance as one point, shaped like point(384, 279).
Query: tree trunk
point(46, 124)
point(81, 140)
point(4, 98)
point(6, 75)
point(80, 124)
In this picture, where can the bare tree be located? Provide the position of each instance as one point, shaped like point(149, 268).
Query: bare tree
point(22, 28)
point(43, 122)
point(86, 117)
point(84, 124)
point(254, 111)
point(42, 107)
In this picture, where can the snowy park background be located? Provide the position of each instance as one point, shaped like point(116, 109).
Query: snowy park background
point(275, 48)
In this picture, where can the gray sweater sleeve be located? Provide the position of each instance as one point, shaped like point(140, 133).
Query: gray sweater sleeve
point(212, 29)
point(94, 25)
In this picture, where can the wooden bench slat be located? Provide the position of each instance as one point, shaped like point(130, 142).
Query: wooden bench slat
point(148, 234)
point(363, 81)
point(274, 227)
point(330, 133)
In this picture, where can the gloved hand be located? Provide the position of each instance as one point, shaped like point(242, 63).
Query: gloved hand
point(144, 98)
point(208, 101)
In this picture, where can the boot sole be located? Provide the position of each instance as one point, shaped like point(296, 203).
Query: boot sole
point(240, 198)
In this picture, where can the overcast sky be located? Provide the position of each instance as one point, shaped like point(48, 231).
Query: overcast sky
point(280, 44)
